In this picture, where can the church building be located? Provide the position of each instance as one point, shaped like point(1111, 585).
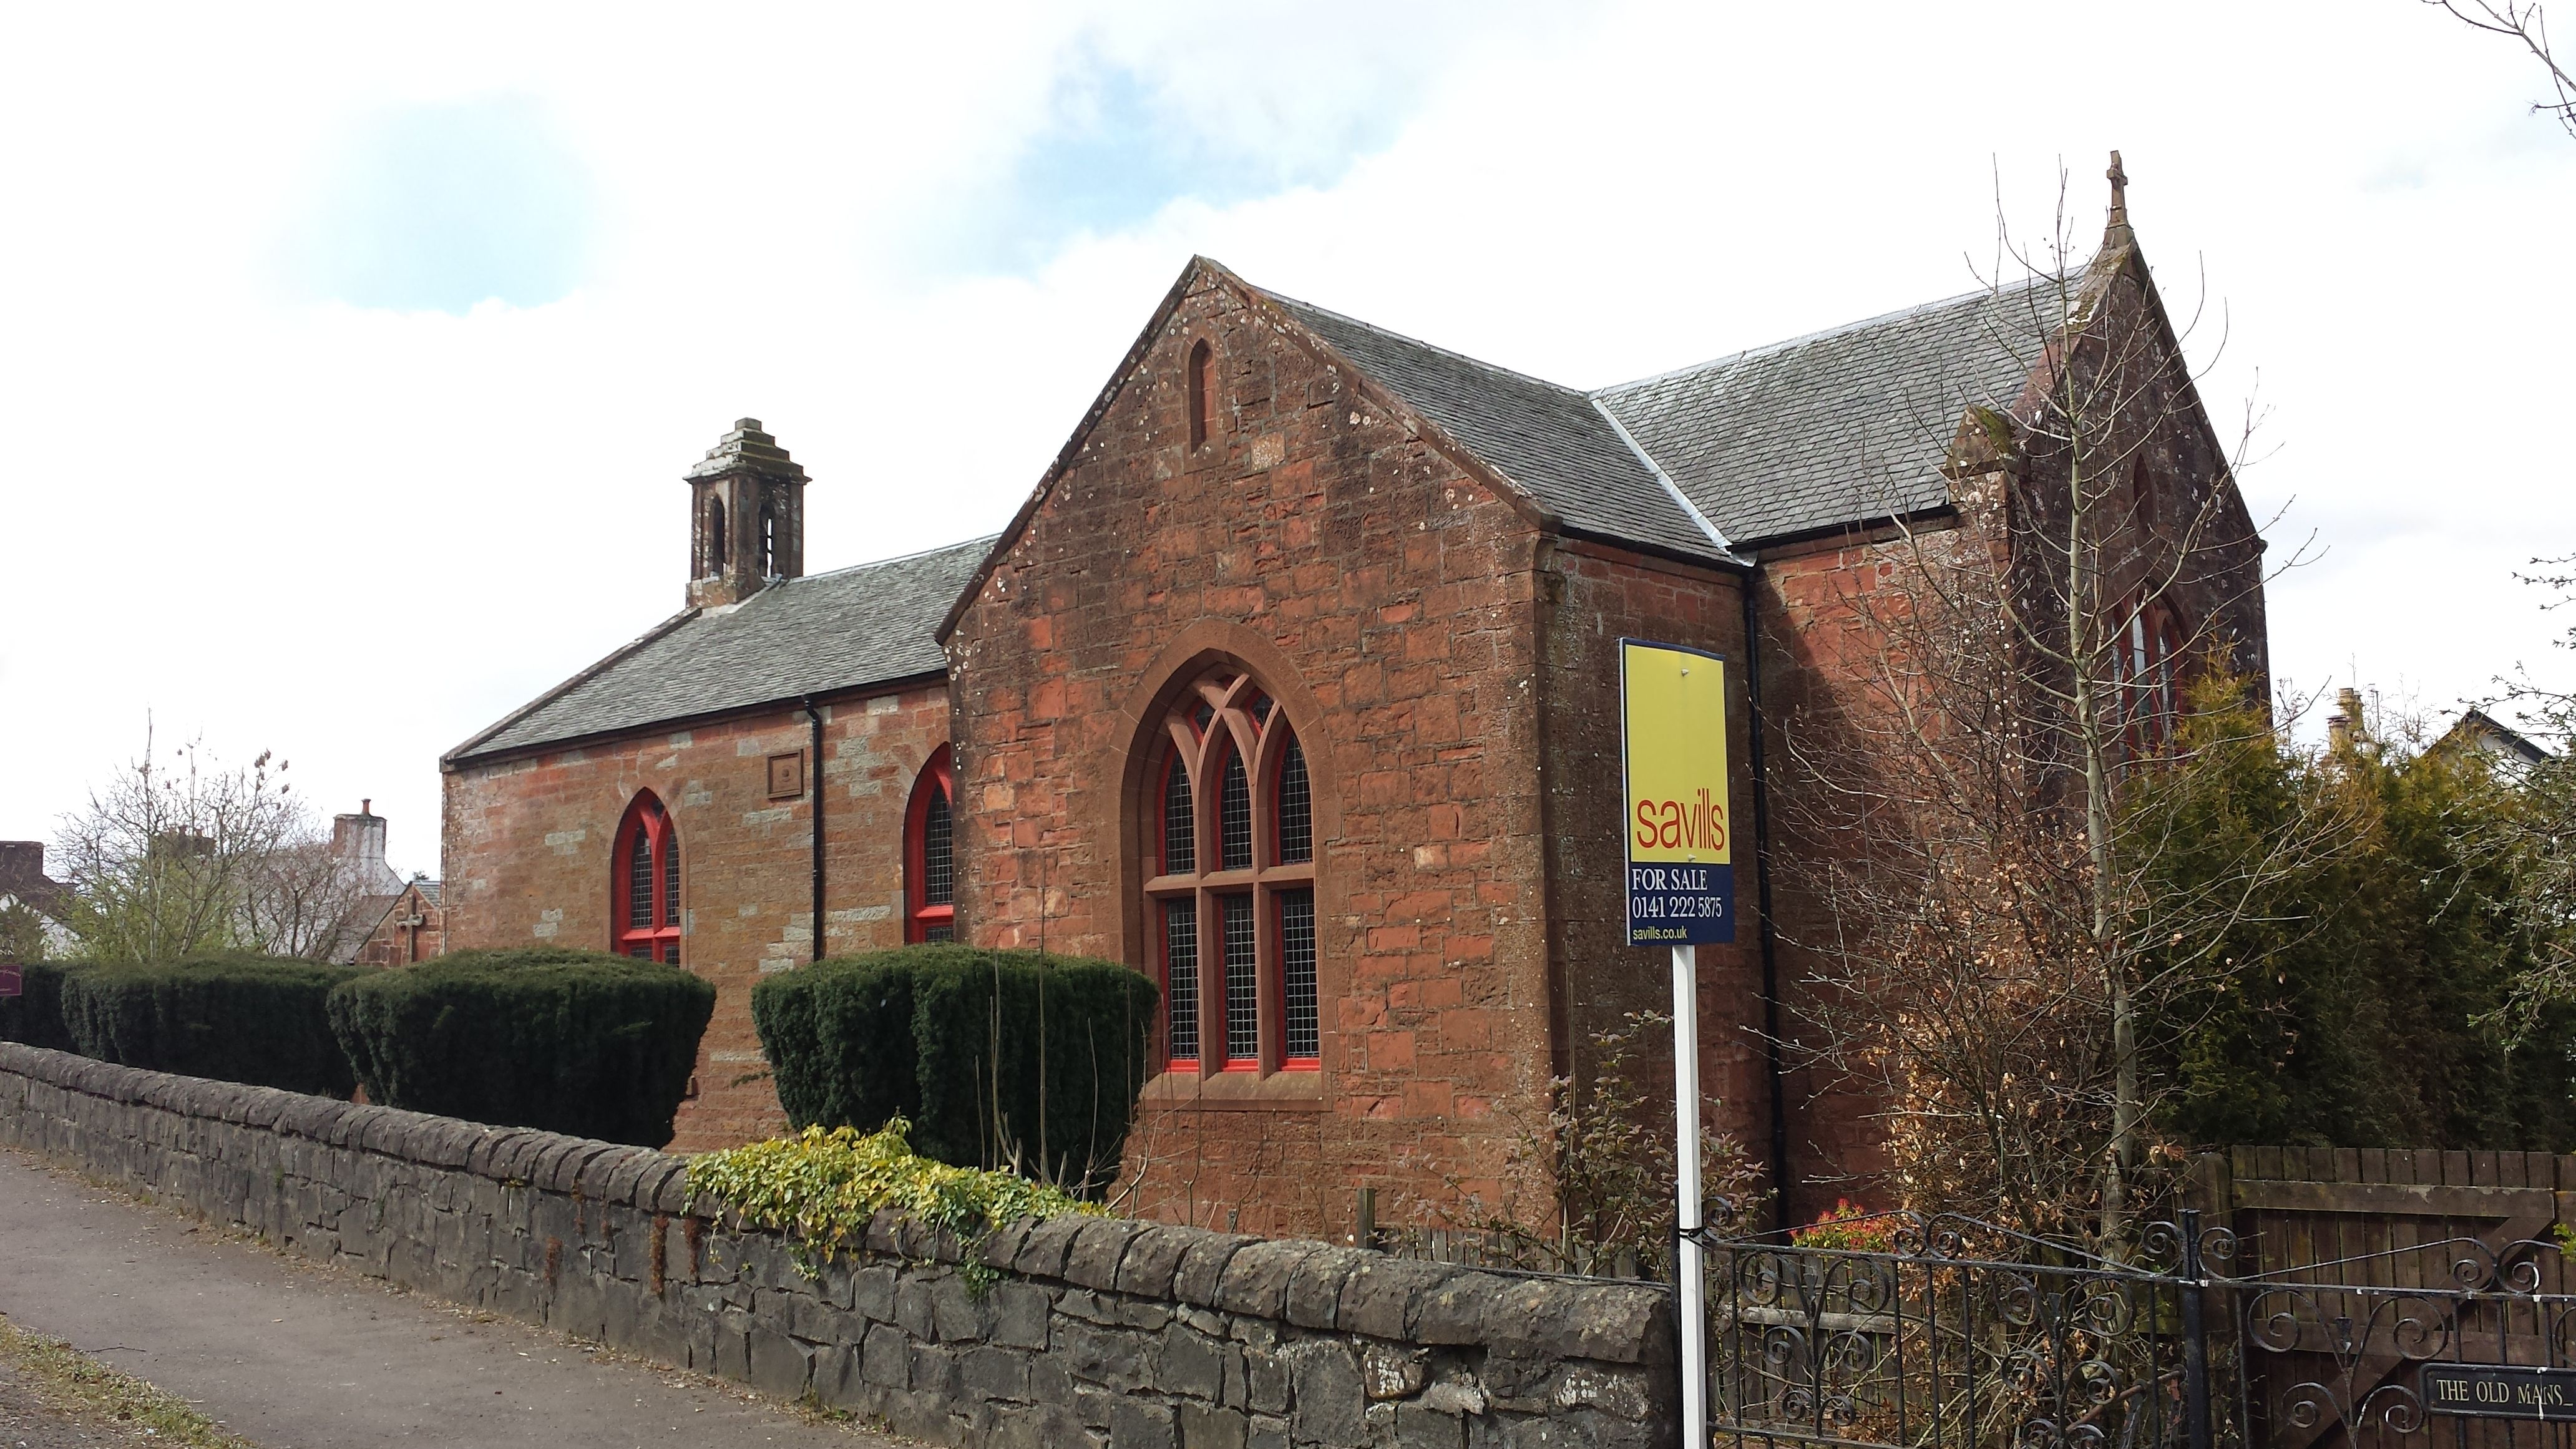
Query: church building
point(1293, 684)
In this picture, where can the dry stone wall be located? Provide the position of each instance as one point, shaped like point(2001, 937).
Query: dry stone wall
point(1088, 1331)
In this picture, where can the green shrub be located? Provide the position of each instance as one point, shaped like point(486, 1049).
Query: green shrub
point(917, 1032)
point(822, 1186)
point(579, 1042)
point(35, 1016)
point(838, 1035)
point(234, 1018)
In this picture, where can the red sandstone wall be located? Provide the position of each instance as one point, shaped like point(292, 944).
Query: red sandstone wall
point(395, 944)
point(1818, 644)
point(1386, 599)
point(527, 844)
point(1598, 595)
point(1816, 648)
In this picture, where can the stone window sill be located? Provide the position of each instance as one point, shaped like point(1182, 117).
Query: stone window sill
point(1238, 1091)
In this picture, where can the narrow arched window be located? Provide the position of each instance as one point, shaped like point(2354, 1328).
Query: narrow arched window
point(768, 543)
point(930, 853)
point(1180, 820)
point(715, 538)
point(2148, 662)
point(1234, 816)
point(1201, 387)
point(1296, 810)
point(1230, 884)
point(644, 884)
point(1293, 810)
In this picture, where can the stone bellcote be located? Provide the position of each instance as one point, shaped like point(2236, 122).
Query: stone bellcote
point(746, 517)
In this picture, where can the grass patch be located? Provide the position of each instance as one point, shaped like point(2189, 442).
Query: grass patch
point(72, 1383)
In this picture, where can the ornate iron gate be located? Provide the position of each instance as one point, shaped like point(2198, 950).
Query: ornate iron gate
point(1952, 1334)
point(1896, 1332)
point(2461, 1341)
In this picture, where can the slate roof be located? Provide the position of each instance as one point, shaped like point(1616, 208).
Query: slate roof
point(815, 635)
point(357, 926)
point(1841, 426)
point(1550, 440)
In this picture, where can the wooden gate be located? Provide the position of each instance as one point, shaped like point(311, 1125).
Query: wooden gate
point(2334, 1230)
point(2294, 1207)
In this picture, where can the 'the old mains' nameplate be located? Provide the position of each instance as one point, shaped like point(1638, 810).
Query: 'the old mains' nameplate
point(2499, 1391)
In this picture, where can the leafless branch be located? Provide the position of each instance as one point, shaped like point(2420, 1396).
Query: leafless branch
point(2523, 21)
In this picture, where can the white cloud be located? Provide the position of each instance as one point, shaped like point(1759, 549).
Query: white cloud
point(356, 535)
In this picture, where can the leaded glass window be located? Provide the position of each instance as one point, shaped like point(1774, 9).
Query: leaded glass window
point(1232, 774)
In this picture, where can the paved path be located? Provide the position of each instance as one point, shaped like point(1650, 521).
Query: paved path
point(293, 1356)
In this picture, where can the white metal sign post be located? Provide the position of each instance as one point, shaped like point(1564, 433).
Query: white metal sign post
point(1689, 1287)
point(1681, 892)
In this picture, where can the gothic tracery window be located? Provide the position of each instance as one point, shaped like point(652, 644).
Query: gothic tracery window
point(1230, 884)
point(930, 853)
point(644, 884)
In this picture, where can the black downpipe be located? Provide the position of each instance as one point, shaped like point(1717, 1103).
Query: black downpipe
point(1770, 936)
point(814, 782)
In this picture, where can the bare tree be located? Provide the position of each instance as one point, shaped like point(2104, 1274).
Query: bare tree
point(2524, 22)
point(180, 855)
point(1978, 836)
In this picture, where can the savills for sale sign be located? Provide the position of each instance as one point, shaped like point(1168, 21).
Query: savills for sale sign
point(1672, 737)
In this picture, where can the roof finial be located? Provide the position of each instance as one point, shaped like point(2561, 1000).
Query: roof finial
point(2119, 192)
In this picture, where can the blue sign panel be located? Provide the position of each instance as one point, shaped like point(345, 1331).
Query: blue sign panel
point(1681, 905)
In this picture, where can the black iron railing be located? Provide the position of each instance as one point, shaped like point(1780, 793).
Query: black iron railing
point(1899, 1332)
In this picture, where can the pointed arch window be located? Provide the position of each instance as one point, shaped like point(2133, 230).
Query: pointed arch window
point(2149, 664)
point(644, 884)
point(715, 538)
point(1201, 388)
point(1230, 884)
point(930, 853)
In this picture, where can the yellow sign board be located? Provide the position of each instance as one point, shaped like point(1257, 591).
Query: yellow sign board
point(1680, 836)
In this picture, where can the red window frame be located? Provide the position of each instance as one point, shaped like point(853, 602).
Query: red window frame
point(1174, 769)
point(1214, 722)
point(2150, 662)
point(1291, 1059)
point(659, 939)
point(921, 915)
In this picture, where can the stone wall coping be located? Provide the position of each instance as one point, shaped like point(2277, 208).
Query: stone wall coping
point(1321, 1286)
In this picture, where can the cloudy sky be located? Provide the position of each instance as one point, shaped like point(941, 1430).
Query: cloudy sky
point(349, 358)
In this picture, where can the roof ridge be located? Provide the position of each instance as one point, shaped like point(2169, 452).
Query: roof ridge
point(1765, 349)
point(1412, 341)
point(1689, 509)
point(986, 541)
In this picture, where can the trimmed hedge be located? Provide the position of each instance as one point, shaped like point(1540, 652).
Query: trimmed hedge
point(234, 1018)
point(914, 1032)
point(838, 1034)
point(578, 1042)
point(35, 1017)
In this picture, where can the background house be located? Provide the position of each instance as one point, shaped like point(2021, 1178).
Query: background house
point(31, 926)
